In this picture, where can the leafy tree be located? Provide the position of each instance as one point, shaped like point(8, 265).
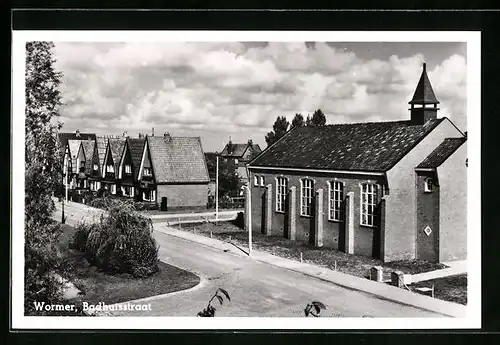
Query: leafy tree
point(42, 175)
point(298, 121)
point(318, 118)
point(308, 121)
point(280, 127)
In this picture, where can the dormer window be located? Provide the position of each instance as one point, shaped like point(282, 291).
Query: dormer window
point(428, 185)
point(147, 172)
point(128, 169)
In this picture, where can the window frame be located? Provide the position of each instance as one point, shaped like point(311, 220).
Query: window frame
point(110, 168)
point(255, 180)
point(128, 169)
point(310, 191)
point(371, 208)
point(428, 187)
point(95, 167)
point(152, 195)
point(149, 174)
point(281, 194)
point(334, 204)
point(112, 188)
point(262, 181)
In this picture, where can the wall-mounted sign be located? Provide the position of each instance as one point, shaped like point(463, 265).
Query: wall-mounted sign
point(428, 230)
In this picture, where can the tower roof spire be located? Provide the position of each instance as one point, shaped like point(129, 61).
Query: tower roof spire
point(424, 93)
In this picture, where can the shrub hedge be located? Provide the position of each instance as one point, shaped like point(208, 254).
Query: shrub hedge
point(121, 241)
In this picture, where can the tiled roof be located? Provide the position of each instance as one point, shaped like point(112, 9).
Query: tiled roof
point(116, 146)
point(74, 146)
point(63, 138)
point(102, 144)
point(442, 152)
point(424, 93)
point(373, 146)
point(88, 149)
point(237, 150)
point(178, 159)
point(136, 148)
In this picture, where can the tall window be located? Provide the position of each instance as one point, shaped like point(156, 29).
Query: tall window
point(148, 195)
point(369, 199)
point(306, 195)
point(113, 188)
point(262, 183)
point(128, 169)
point(256, 180)
point(428, 184)
point(336, 196)
point(281, 190)
point(128, 191)
point(147, 171)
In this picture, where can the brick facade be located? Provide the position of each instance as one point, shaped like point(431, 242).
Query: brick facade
point(183, 195)
point(305, 227)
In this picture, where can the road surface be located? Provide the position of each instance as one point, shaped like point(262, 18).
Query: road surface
point(255, 288)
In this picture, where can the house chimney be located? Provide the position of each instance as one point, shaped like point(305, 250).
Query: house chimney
point(125, 134)
point(77, 132)
point(166, 135)
point(153, 132)
point(141, 135)
point(250, 142)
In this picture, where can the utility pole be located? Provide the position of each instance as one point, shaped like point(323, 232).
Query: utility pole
point(217, 191)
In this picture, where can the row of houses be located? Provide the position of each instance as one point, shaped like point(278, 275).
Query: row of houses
point(162, 171)
point(390, 190)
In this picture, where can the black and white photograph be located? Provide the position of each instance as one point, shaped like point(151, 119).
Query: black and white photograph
point(267, 180)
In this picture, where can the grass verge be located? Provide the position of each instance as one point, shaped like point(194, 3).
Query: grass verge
point(326, 257)
point(97, 286)
point(452, 288)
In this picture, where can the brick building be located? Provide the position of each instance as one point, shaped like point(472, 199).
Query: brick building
point(168, 172)
point(390, 190)
point(238, 155)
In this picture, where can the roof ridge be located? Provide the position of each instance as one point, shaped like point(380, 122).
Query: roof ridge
point(359, 123)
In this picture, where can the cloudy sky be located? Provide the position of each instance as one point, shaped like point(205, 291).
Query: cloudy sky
point(231, 89)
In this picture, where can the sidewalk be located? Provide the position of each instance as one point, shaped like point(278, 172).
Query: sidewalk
point(457, 267)
point(381, 290)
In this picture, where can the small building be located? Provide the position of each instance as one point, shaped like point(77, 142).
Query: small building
point(238, 155)
point(173, 172)
point(391, 190)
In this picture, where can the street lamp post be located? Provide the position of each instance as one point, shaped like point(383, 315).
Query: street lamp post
point(249, 215)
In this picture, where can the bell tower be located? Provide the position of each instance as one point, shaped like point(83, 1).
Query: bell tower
point(423, 106)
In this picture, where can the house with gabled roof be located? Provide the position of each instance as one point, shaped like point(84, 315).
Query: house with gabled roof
point(361, 188)
point(111, 163)
point(130, 162)
point(238, 155)
point(173, 172)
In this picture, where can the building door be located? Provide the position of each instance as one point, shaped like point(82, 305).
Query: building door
point(427, 246)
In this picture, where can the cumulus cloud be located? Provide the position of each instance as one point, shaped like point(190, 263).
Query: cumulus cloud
point(230, 88)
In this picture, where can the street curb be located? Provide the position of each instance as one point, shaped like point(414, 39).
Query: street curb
point(406, 298)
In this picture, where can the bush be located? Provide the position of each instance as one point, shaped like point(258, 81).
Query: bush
point(119, 242)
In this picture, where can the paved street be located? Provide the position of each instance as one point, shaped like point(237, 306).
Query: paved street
point(256, 289)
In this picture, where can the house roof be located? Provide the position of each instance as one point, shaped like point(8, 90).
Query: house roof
point(102, 144)
point(63, 138)
point(177, 159)
point(74, 146)
point(442, 152)
point(136, 147)
point(424, 93)
point(238, 150)
point(88, 149)
point(372, 146)
point(116, 146)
